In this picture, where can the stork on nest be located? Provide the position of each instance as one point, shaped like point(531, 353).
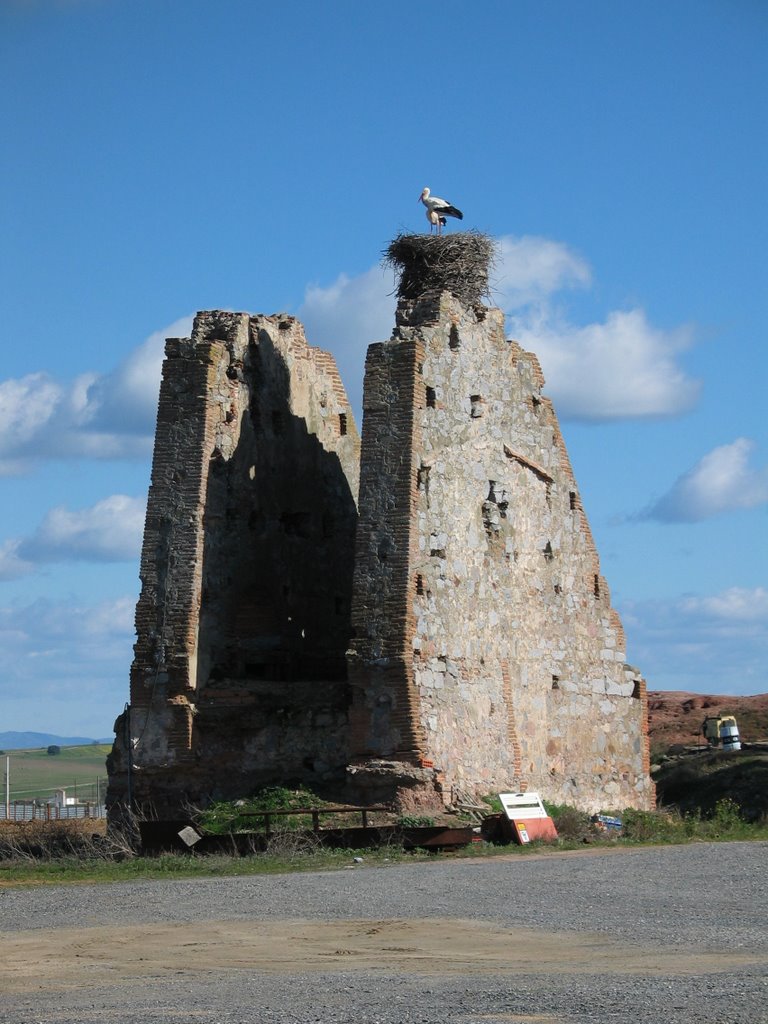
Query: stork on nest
point(459, 264)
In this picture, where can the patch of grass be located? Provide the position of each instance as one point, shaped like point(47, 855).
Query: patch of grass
point(227, 816)
point(494, 804)
point(237, 816)
point(696, 784)
point(571, 823)
point(35, 775)
point(74, 870)
point(35, 853)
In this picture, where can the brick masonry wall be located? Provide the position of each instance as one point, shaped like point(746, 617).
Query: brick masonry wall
point(480, 611)
point(482, 649)
point(239, 675)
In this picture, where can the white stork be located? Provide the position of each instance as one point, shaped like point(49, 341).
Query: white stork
point(438, 210)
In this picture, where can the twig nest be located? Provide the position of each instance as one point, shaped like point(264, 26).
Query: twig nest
point(458, 263)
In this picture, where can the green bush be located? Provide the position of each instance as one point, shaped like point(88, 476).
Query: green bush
point(494, 804)
point(727, 815)
point(415, 821)
point(652, 826)
point(227, 816)
point(571, 823)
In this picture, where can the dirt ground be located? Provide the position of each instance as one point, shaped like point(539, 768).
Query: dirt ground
point(109, 956)
point(673, 934)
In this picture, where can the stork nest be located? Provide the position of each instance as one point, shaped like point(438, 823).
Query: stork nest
point(458, 263)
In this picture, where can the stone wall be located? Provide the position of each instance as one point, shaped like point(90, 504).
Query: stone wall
point(454, 639)
point(486, 655)
point(239, 675)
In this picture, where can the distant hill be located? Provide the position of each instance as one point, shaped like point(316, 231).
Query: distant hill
point(676, 717)
point(32, 740)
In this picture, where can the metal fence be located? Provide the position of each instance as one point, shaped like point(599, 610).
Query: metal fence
point(24, 810)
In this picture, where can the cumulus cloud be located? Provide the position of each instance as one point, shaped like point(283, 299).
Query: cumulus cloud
point(109, 531)
point(125, 401)
point(346, 316)
point(530, 269)
point(715, 643)
point(620, 368)
point(99, 416)
point(623, 368)
point(720, 482)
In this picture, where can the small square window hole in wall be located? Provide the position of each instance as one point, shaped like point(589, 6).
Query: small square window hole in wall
point(431, 397)
point(548, 552)
point(555, 682)
point(342, 424)
point(419, 584)
point(596, 585)
point(572, 500)
point(454, 342)
point(476, 406)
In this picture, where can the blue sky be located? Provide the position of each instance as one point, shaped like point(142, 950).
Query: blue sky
point(165, 156)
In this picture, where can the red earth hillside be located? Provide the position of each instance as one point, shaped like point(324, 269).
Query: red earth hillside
point(676, 716)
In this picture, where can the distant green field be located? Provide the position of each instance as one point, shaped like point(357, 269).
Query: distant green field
point(36, 774)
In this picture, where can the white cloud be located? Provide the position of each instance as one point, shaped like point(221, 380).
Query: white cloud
point(27, 407)
point(714, 643)
point(735, 605)
point(622, 368)
point(125, 401)
point(110, 416)
point(529, 269)
point(12, 565)
point(618, 369)
point(346, 317)
point(109, 531)
point(721, 481)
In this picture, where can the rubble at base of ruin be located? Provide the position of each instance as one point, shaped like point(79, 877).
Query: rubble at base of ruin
point(443, 634)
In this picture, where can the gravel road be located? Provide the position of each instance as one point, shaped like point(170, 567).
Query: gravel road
point(675, 935)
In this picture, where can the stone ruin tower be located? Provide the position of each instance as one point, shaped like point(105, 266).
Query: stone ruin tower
point(239, 674)
point(450, 636)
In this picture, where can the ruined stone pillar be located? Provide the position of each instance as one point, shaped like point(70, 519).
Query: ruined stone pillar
point(239, 675)
point(486, 655)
